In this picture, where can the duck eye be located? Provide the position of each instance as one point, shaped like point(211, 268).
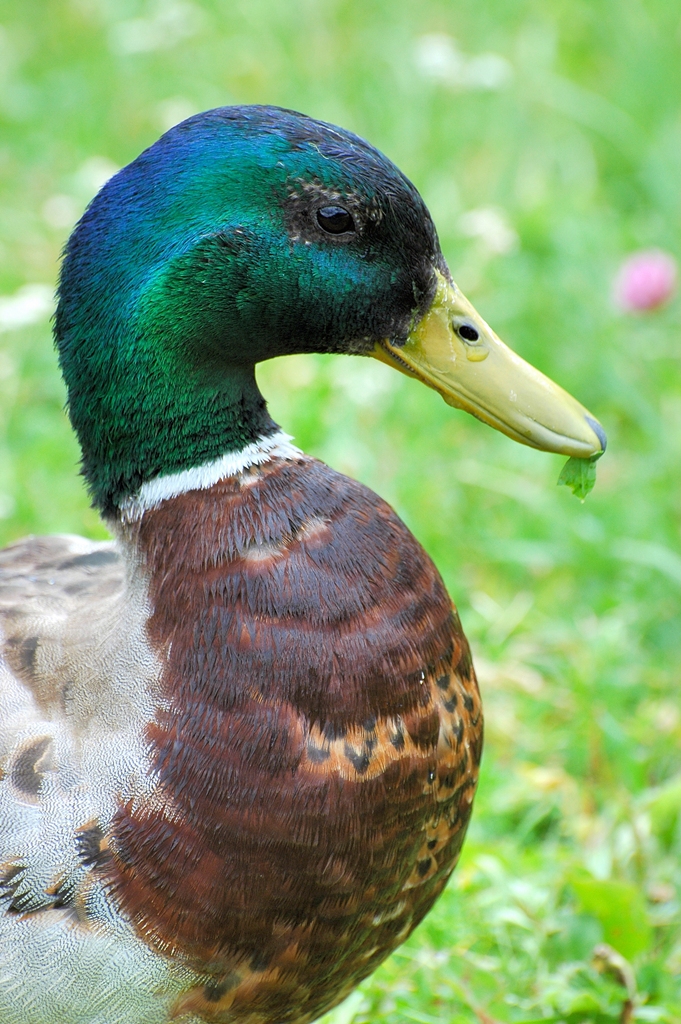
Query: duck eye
point(335, 219)
point(468, 333)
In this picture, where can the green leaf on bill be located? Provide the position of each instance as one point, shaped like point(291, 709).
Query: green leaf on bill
point(579, 475)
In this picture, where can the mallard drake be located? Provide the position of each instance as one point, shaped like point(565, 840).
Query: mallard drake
point(238, 743)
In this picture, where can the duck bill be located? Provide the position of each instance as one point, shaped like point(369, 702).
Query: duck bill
point(453, 350)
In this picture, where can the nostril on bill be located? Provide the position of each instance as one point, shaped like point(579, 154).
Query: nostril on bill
point(468, 332)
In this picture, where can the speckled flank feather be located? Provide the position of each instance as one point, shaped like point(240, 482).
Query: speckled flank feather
point(78, 682)
point(237, 763)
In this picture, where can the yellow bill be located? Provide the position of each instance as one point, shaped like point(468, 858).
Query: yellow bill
point(455, 352)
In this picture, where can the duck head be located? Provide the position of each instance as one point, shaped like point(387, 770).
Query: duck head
point(251, 232)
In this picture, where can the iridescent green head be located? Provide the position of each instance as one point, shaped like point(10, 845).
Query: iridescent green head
point(243, 233)
point(251, 232)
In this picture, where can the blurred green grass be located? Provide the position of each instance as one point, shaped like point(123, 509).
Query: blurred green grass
point(547, 141)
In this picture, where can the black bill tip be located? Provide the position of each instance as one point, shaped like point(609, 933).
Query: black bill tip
point(598, 431)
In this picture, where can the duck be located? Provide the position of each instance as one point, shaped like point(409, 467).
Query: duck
point(239, 741)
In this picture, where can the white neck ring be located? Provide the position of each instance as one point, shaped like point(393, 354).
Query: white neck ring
point(200, 478)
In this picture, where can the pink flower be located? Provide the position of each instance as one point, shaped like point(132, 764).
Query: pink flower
point(645, 280)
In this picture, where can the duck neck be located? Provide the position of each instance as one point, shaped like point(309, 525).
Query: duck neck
point(144, 434)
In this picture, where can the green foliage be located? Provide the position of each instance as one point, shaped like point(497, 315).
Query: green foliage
point(620, 908)
point(540, 182)
point(664, 807)
point(579, 475)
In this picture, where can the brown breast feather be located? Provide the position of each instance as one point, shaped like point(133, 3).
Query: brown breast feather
point(318, 749)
